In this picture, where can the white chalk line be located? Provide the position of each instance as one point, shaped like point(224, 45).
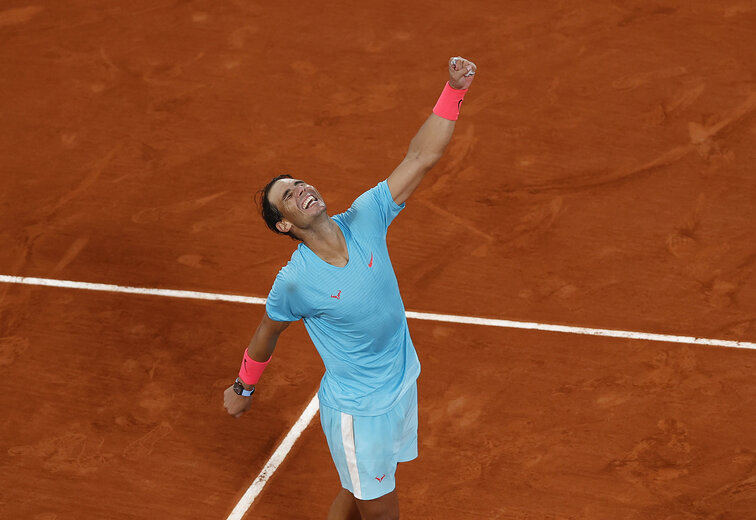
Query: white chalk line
point(648, 336)
point(448, 318)
point(304, 420)
point(106, 287)
point(275, 460)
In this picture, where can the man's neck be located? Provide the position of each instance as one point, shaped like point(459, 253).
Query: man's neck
point(326, 240)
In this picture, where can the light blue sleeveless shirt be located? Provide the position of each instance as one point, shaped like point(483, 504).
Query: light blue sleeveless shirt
point(353, 314)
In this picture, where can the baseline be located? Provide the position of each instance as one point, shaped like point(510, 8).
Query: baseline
point(449, 318)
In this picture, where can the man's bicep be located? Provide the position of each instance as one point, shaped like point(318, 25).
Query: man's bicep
point(263, 342)
point(406, 178)
point(284, 303)
point(372, 212)
point(273, 327)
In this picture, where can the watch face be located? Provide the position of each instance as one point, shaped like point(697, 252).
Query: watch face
point(238, 387)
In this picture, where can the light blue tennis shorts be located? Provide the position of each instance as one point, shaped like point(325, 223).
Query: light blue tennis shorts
point(366, 450)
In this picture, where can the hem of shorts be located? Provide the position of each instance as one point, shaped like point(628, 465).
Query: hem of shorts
point(409, 459)
point(373, 497)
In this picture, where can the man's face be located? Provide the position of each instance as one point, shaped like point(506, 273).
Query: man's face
point(297, 201)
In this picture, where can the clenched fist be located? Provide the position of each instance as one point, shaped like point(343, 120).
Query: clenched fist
point(234, 403)
point(461, 72)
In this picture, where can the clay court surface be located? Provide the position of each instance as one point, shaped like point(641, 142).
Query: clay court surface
point(601, 175)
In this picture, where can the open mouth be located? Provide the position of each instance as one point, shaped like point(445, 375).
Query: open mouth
point(308, 201)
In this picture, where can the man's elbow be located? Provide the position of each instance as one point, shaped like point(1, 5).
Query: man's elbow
point(424, 161)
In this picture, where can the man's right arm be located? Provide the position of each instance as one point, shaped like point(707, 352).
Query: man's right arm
point(260, 349)
point(263, 342)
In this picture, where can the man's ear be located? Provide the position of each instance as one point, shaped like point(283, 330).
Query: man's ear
point(283, 225)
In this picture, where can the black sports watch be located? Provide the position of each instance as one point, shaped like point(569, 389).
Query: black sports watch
point(240, 390)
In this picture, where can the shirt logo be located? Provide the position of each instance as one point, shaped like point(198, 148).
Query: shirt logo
point(380, 479)
point(337, 296)
point(371, 260)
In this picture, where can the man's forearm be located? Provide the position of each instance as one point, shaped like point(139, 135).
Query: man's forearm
point(263, 342)
point(261, 346)
point(425, 150)
point(429, 143)
point(260, 350)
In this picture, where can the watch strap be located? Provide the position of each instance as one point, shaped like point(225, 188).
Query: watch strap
point(240, 390)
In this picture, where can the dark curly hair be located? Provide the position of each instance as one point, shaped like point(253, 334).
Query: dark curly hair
point(269, 212)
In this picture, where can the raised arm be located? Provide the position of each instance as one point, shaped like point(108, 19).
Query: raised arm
point(428, 145)
point(260, 350)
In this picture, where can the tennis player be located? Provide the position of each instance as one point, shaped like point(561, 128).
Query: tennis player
point(340, 282)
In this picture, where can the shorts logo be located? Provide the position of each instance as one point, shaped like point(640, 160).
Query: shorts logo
point(380, 479)
point(371, 260)
point(337, 296)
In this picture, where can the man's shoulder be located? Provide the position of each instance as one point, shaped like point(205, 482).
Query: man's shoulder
point(369, 202)
point(373, 194)
point(291, 267)
point(300, 263)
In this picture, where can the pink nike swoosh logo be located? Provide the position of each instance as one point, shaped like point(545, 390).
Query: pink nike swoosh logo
point(381, 478)
point(371, 260)
point(337, 296)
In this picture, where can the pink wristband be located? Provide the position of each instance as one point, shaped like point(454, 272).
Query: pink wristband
point(251, 370)
point(449, 102)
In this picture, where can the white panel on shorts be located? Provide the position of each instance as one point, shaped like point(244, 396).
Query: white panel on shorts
point(347, 439)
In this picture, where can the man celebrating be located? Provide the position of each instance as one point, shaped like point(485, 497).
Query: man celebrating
point(341, 283)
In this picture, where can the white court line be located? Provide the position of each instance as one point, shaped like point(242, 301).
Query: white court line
point(648, 336)
point(49, 282)
point(283, 449)
point(275, 460)
point(449, 318)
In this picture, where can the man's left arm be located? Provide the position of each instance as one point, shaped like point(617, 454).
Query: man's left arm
point(428, 145)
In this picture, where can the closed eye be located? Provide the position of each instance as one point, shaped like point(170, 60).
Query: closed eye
point(287, 193)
